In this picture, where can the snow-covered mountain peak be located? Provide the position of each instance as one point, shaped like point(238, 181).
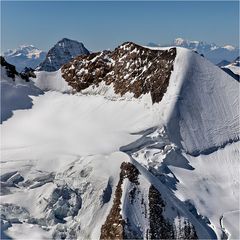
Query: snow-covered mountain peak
point(90, 166)
point(28, 50)
point(193, 44)
point(25, 46)
point(168, 76)
point(211, 51)
point(179, 41)
point(66, 42)
point(229, 47)
point(62, 52)
point(185, 42)
point(25, 56)
point(131, 69)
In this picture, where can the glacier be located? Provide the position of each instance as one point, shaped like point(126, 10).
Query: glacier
point(61, 157)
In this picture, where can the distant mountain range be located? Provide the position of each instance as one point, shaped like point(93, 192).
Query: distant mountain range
point(66, 49)
point(25, 56)
point(29, 56)
point(211, 51)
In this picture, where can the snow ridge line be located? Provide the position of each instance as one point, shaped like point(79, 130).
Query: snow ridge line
point(213, 149)
point(202, 231)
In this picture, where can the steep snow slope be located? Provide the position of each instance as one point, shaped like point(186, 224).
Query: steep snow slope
point(15, 92)
point(25, 56)
point(200, 107)
point(87, 165)
point(216, 174)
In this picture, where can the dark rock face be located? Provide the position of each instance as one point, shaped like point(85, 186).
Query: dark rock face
point(160, 228)
point(61, 53)
point(113, 227)
point(130, 68)
point(118, 226)
point(10, 69)
point(12, 72)
point(27, 73)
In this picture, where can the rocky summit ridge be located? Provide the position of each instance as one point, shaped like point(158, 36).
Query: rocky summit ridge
point(130, 68)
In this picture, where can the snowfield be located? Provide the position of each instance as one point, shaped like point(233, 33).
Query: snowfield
point(15, 95)
point(77, 124)
point(61, 155)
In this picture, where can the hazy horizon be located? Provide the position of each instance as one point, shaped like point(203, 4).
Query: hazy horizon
point(105, 25)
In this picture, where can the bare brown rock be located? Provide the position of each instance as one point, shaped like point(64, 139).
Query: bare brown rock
point(130, 67)
point(113, 228)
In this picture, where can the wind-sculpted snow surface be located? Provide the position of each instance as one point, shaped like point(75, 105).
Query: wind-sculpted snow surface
point(200, 107)
point(103, 161)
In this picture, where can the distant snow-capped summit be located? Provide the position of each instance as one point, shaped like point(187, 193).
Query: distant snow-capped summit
point(25, 56)
point(211, 51)
point(229, 47)
point(199, 46)
point(61, 53)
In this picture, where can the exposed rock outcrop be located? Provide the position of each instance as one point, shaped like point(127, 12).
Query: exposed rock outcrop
point(113, 227)
point(10, 69)
point(12, 72)
point(130, 68)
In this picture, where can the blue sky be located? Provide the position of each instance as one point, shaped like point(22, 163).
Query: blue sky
point(103, 25)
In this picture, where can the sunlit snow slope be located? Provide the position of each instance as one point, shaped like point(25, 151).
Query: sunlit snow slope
point(201, 105)
point(85, 165)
